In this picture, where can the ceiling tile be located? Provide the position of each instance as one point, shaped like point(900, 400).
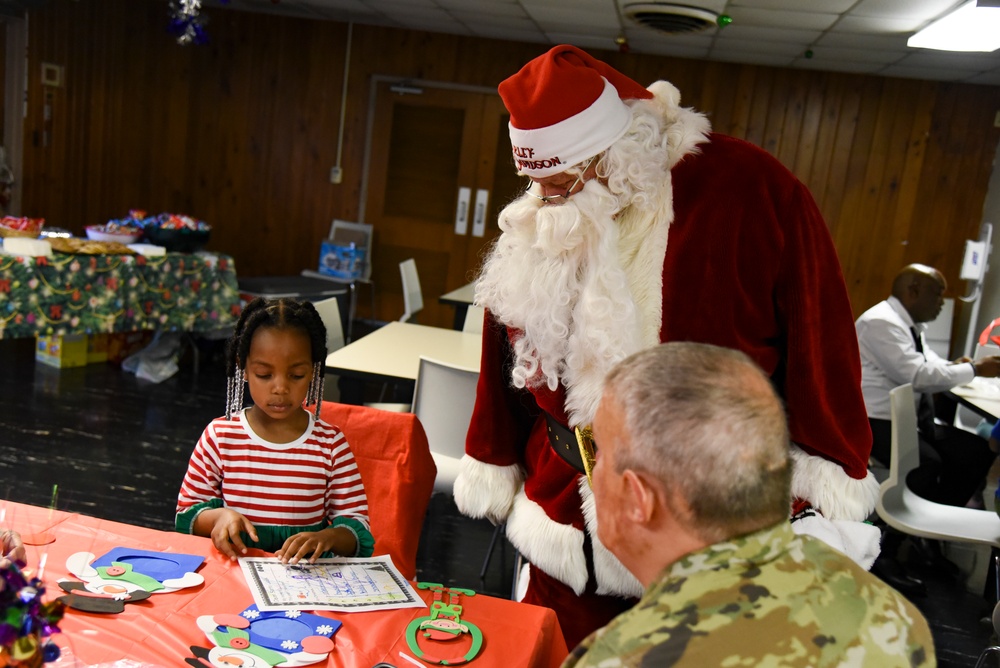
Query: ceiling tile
point(485, 12)
point(325, 6)
point(861, 41)
point(533, 35)
point(871, 24)
point(782, 19)
point(844, 35)
point(787, 49)
point(751, 58)
point(674, 49)
point(768, 34)
point(979, 62)
point(834, 65)
point(921, 10)
point(824, 53)
point(823, 6)
point(486, 6)
point(477, 23)
point(598, 17)
point(647, 36)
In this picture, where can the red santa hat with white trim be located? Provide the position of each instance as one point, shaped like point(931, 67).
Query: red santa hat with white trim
point(565, 107)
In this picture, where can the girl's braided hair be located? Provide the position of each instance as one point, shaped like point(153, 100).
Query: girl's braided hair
point(280, 313)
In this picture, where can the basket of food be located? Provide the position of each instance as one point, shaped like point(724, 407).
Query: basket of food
point(30, 228)
point(177, 233)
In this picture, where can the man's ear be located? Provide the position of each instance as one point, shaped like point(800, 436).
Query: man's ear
point(641, 497)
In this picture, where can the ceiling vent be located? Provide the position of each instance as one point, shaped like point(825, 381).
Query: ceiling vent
point(669, 17)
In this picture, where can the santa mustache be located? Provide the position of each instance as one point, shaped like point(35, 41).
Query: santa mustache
point(555, 275)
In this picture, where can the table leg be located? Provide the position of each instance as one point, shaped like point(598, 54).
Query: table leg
point(460, 311)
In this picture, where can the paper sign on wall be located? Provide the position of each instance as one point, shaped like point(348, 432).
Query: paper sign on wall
point(974, 263)
point(479, 222)
point(462, 212)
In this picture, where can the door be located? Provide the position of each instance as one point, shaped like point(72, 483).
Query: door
point(440, 170)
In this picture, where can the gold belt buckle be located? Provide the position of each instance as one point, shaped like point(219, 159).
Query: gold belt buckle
point(585, 440)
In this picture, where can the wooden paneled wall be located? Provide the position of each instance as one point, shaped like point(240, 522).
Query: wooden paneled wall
point(242, 132)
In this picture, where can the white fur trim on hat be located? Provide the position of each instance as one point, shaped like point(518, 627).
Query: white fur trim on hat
point(830, 490)
point(486, 490)
point(541, 152)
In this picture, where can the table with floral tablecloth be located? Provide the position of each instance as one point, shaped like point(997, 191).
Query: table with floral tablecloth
point(77, 294)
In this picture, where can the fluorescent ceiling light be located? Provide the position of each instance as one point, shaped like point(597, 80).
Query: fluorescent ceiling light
point(972, 27)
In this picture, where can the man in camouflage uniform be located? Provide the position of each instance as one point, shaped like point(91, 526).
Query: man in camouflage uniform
point(703, 526)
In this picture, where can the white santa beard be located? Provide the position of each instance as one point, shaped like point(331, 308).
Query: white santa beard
point(556, 275)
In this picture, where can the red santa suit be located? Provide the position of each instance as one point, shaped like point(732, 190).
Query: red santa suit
point(749, 265)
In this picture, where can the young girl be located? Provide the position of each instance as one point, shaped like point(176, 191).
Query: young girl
point(275, 473)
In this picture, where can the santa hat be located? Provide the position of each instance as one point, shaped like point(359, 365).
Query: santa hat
point(565, 107)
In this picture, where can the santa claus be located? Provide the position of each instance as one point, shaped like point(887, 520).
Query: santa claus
point(585, 273)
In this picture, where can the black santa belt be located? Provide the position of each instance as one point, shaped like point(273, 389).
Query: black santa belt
point(574, 446)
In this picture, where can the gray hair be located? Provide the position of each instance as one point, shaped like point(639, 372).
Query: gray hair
point(706, 422)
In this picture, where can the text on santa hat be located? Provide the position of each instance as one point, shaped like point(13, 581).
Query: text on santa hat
point(523, 157)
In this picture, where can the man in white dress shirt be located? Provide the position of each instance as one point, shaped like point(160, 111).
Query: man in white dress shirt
point(953, 462)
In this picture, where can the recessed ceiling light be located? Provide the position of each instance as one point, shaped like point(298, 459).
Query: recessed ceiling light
point(975, 26)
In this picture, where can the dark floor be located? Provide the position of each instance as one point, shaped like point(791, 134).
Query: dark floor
point(117, 448)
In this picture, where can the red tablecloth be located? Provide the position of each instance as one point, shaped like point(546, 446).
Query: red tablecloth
point(160, 630)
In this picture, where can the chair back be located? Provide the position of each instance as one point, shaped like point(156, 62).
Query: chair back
point(905, 443)
point(413, 298)
point(329, 312)
point(474, 320)
point(443, 400)
point(397, 471)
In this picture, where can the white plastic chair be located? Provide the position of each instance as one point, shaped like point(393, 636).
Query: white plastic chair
point(413, 298)
point(903, 510)
point(329, 312)
point(473, 320)
point(442, 400)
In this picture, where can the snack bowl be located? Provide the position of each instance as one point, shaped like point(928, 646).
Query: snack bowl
point(177, 240)
point(29, 228)
point(122, 235)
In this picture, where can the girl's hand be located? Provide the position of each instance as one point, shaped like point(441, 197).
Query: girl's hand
point(226, 532)
point(315, 543)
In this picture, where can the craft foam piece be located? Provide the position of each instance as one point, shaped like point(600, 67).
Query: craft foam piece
point(286, 630)
point(299, 638)
point(161, 566)
point(123, 573)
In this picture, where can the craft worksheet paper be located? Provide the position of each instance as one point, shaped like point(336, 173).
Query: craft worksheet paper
point(341, 583)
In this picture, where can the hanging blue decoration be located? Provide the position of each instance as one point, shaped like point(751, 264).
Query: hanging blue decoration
point(186, 22)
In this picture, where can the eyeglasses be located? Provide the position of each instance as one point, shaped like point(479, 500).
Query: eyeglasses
point(569, 191)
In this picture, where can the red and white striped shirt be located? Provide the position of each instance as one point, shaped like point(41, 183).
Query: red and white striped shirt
point(300, 483)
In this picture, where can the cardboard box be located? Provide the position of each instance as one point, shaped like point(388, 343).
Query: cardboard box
point(62, 351)
point(123, 344)
point(341, 261)
point(97, 348)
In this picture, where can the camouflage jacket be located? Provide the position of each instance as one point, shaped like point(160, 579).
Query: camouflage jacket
point(770, 598)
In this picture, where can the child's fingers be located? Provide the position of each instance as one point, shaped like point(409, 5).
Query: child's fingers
point(249, 528)
point(223, 545)
point(237, 542)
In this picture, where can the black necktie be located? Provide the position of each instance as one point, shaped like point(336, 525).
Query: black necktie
point(925, 409)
